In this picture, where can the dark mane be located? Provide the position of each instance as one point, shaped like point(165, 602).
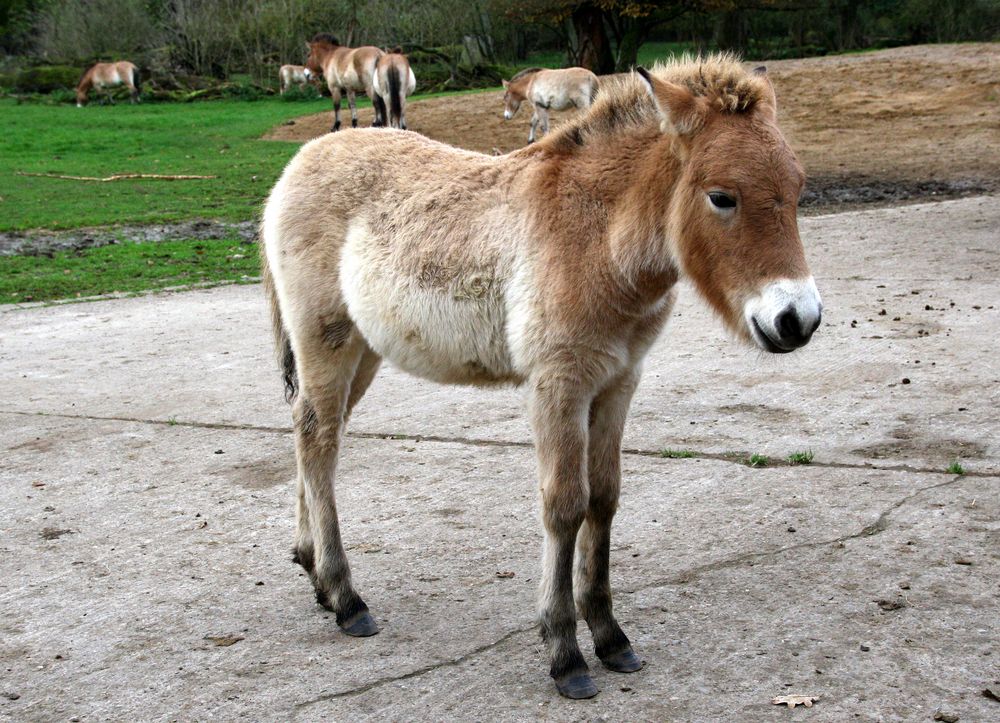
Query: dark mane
point(521, 73)
point(325, 38)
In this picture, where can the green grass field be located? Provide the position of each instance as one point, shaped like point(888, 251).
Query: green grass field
point(125, 268)
point(212, 138)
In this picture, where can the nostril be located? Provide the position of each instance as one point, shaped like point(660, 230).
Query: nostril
point(788, 325)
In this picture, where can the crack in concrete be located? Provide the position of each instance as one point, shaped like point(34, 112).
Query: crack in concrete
point(881, 524)
point(417, 672)
point(475, 442)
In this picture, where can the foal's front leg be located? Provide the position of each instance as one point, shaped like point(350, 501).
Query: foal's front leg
point(592, 583)
point(534, 124)
point(559, 419)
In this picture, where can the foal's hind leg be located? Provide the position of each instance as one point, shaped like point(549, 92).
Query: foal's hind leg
point(326, 377)
point(304, 551)
point(592, 584)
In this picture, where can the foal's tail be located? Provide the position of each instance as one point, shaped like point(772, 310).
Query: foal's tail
point(135, 79)
point(282, 345)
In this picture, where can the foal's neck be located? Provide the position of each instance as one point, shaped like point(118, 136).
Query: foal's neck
point(630, 176)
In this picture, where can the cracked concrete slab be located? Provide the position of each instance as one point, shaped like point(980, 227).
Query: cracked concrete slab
point(146, 513)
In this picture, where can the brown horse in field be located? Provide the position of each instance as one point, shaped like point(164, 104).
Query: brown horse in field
point(394, 80)
point(346, 70)
point(553, 267)
point(546, 90)
point(104, 76)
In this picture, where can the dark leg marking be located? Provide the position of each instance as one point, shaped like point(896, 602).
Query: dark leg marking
point(336, 333)
point(568, 668)
point(306, 558)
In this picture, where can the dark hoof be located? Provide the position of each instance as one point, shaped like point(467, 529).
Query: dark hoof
point(625, 661)
point(336, 127)
point(361, 625)
point(354, 122)
point(576, 686)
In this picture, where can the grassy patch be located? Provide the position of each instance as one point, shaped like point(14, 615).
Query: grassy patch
point(757, 460)
point(217, 138)
point(801, 457)
point(127, 267)
point(955, 468)
point(677, 453)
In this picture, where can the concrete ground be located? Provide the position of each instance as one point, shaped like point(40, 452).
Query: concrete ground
point(146, 513)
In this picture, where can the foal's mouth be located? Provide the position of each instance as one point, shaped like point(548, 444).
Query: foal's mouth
point(764, 341)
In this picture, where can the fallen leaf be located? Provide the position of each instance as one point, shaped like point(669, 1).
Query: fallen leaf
point(505, 574)
point(793, 700)
point(946, 717)
point(224, 641)
point(991, 694)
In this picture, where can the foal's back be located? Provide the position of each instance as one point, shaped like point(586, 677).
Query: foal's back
point(411, 238)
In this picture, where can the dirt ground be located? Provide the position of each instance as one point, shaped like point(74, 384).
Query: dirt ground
point(914, 122)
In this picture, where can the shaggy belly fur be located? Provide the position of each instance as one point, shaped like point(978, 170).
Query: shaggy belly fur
point(433, 320)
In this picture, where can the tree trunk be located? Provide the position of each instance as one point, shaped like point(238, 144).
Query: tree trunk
point(731, 32)
point(632, 38)
point(592, 50)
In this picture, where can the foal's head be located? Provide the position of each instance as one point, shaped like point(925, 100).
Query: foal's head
point(732, 215)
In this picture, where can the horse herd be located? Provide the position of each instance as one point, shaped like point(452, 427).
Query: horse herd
point(386, 78)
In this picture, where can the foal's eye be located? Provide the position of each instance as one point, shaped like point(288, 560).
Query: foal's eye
point(721, 200)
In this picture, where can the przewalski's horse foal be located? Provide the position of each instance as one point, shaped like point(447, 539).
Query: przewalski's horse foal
point(346, 70)
point(104, 76)
point(553, 267)
point(394, 80)
point(298, 74)
point(548, 90)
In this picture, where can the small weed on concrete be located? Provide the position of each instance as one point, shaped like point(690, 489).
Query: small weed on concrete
point(801, 457)
point(676, 453)
point(757, 460)
point(955, 468)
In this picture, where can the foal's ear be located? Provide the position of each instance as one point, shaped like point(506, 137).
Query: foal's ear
point(769, 102)
point(505, 83)
point(681, 111)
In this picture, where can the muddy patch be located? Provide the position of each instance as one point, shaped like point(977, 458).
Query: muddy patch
point(761, 411)
point(905, 445)
point(40, 242)
point(262, 474)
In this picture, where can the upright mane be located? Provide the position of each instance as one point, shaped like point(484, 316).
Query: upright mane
point(521, 73)
point(325, 38)
point(624, 102)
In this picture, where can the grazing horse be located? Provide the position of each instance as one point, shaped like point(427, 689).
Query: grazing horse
point(298, 74)
point(394, 80)
point(548, 90)
point(104, 76)
point(553, 267)
point(346, 70)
